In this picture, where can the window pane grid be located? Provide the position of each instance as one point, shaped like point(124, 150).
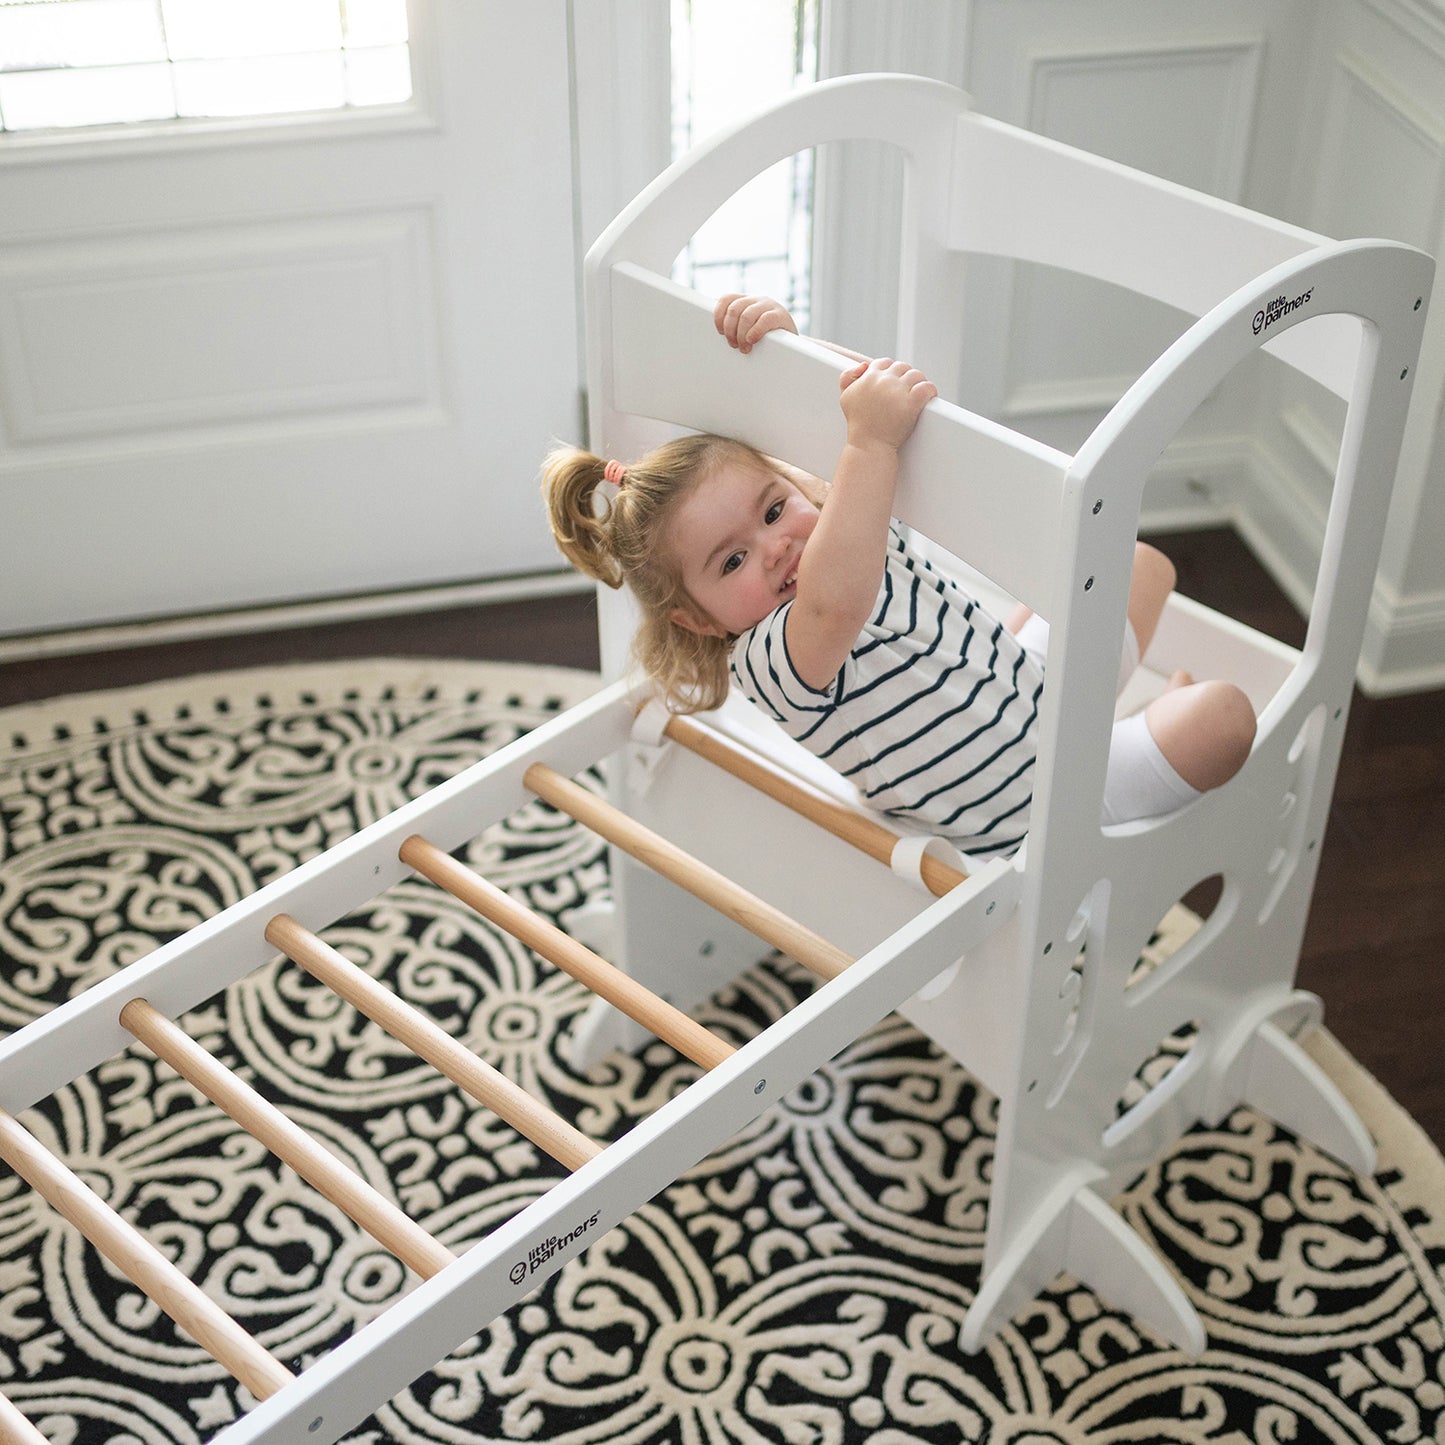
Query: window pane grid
point(729, 57)
point(68, 63)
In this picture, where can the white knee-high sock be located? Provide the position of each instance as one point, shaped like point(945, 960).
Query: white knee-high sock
point(1140, 782)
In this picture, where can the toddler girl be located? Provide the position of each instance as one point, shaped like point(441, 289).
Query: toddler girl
point(813, 602)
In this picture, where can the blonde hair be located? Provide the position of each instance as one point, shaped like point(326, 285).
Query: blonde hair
point(621, 539)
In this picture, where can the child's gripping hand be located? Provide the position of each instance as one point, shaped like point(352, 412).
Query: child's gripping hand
point(743, 321)
point(882, 401)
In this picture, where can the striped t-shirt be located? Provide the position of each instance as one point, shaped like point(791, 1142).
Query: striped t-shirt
point(933, 717)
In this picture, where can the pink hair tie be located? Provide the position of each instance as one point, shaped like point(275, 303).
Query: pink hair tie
point(615, 473)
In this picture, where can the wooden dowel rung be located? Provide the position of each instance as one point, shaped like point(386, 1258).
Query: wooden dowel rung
point(853, 827)
point(547, 1130)
point(372, 1210)
point(15, 1429)
point(715, 889)
point(140, 1261)
point(654, 1013)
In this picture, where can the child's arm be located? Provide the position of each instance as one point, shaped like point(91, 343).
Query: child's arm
point(842, 565)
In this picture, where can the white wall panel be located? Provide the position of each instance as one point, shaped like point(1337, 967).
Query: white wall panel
point(1378, 168)
point(210, 326)
point(1385, 172)
point(1068, 350)
point(1329, 114)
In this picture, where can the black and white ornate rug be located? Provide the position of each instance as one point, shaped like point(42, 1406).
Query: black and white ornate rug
point(805, 1284)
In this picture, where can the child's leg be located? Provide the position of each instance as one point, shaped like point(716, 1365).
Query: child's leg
point(1193, 737)
point(1204, 729)
point(1149, 587)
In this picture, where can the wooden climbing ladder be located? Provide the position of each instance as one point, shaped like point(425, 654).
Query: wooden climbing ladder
point(148, 1268)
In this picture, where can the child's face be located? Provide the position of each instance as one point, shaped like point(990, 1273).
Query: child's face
point(738, 537)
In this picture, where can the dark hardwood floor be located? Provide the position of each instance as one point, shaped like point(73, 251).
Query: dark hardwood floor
point(1377, 927)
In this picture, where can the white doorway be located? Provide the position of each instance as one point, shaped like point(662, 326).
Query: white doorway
point(255, 361)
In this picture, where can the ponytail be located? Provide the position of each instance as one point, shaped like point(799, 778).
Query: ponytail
point(570, 478)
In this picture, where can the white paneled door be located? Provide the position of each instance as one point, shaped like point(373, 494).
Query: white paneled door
point(253, 362)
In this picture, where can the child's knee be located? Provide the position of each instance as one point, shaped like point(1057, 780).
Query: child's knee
point(1235, 722)
point(1205, 730)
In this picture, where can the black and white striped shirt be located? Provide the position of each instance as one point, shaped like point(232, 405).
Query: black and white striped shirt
point(934, 716)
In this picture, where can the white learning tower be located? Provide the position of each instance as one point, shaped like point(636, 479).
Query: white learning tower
point(1023, 972)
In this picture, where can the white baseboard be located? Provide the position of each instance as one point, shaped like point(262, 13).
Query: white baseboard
point(111, 636)
point(1282, 522)
point(1404, 649)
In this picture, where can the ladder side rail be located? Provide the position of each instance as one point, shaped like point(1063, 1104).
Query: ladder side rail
point(84, 1032)
point(1029, 198)
point(340, 1390)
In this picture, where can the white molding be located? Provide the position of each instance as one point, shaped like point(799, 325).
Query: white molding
point(920, 39)
point(1356, 86)
point(186, 135)
point(857, 192)
point(1193, 485)
point(77, 282)
point(248, 620)
point(19, 466)
point(1246, 48)
point(1396, 102)
point(1096, 394)
point(1404, 650)
point(1282, 522)
point(1314, 438)
point(621, 58)
point(1226, 161)
point(1422, 22)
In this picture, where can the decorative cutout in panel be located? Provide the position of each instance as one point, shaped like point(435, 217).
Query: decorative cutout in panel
point(1153, 1082)
point(1177, 934)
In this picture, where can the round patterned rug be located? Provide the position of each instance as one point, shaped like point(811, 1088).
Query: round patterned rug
point(804, 1284)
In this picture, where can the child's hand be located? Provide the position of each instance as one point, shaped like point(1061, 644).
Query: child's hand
point(882, 401)
point(743, 321)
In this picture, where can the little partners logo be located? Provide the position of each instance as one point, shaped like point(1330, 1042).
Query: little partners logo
point(541, 1252)
point(1280, 306)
